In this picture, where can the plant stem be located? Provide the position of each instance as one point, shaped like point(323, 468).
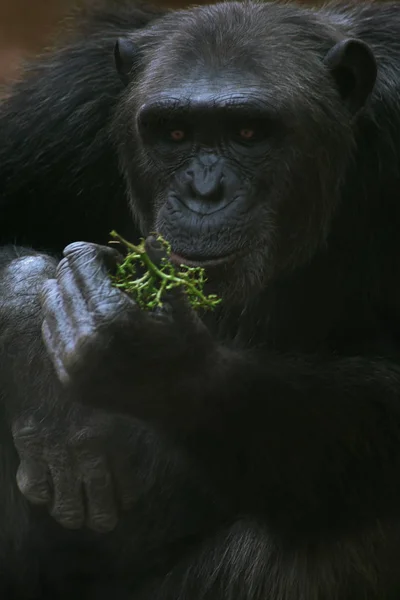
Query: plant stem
point(152, 268)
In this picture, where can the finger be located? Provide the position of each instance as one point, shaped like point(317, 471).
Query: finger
point(68, 505)
point(85, 257)
point(99, 490)
point(57, 328)
point(74, 303)
point(91, 266)
point(58, 320)
point(64, 332)
point(155, 250)
point(115, 257)
point(27, 441)
point(54, 353)
point(176, 307)
point(32, 474)
point(33, 481)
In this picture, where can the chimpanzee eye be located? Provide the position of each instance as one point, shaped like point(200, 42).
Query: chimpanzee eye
point(177, 135)
point(247, 133)
point(250, 132)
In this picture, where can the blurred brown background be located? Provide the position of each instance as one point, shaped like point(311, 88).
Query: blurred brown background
point(27, 25)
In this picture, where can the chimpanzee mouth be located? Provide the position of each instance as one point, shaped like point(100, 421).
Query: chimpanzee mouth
point(202, 261)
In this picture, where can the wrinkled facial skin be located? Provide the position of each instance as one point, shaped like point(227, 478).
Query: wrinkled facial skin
point(232, 188)
point(237, 163)
point(211, 146)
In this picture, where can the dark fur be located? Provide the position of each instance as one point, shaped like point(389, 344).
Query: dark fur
point(291, 491)
point(68, 99)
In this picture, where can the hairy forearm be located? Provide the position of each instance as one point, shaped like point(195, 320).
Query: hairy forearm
point(25, 368)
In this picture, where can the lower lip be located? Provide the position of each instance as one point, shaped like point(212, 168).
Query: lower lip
point(207, 263)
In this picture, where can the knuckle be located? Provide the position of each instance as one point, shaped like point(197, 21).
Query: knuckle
point(27, 439)
point(36, 495)
point(78, 249)
point(62, 267)
point(115, 315)
point(37, 492)
point(68, 519)
point(50, 298)
point(85, 442)
point(88, 436)
point(25, 425)
point(69, 515)
point(103, 522)
point(84, 255)
point(108, 314)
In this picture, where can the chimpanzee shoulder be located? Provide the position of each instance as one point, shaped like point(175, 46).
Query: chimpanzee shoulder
point(373, 177)
point(59, 176)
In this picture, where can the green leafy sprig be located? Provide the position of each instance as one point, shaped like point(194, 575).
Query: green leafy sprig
point(149, 288)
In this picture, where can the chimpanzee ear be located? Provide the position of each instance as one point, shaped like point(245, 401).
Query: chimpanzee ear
point(126, 57)
point(353, 66)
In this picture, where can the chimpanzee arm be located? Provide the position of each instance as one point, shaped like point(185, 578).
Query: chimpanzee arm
point(70, 457)
point(297, 438)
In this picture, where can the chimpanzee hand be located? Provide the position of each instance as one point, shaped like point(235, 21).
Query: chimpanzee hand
point(106, 349)
point(74, 461)
point(77, 465)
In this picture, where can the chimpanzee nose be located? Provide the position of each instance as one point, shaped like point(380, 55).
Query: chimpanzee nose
point(206, 183)
point(204, 190)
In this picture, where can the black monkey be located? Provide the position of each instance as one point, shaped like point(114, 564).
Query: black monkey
point(262, 141)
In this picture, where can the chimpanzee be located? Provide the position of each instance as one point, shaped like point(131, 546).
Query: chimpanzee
point(249, 453)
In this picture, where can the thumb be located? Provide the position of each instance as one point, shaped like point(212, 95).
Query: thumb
point(156, 250)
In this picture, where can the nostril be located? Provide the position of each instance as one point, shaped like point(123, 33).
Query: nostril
point(207, 185)
point(216, 194)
